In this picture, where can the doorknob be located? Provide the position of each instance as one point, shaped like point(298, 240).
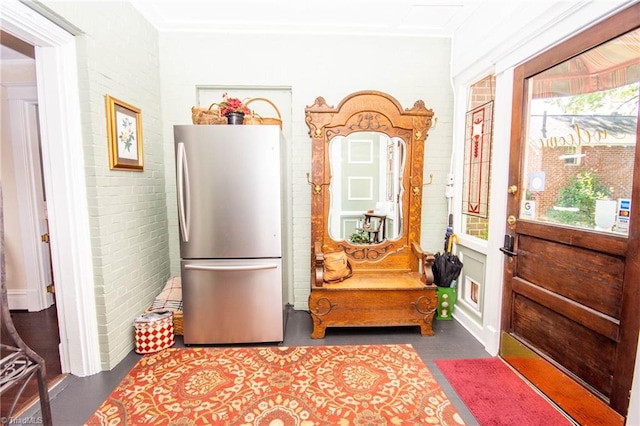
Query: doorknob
point(511, 220)
point(513, 189)
point(508, 246)
point(44, 238)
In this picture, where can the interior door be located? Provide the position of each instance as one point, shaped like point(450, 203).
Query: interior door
point(31, 259)
point(40, 205)
point(570, 304)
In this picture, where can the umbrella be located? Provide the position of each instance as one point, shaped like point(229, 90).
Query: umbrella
point(448, 233)
point(447, 266)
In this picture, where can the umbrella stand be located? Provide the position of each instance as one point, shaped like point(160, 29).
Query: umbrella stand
point(446, 302)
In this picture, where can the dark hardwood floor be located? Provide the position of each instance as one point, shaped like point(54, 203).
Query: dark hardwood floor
point(39, 330)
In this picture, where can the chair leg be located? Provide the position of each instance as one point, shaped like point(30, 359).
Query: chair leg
point(45, 406)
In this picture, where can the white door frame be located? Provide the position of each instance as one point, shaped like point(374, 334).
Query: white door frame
point(64, 176)
point(485, 327)
point(22, 101)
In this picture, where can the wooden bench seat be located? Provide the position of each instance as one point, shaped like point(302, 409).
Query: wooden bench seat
point(375, 298)
point(382, 280)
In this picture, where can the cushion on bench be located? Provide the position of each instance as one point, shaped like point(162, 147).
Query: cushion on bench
point(170, 298)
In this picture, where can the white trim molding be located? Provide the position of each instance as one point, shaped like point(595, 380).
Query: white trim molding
point(18, 299)
point(63, 165)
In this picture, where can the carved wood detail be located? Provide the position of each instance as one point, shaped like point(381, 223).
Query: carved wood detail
point(369, 111)
point(392, 282)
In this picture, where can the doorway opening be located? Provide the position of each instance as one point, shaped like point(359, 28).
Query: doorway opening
point(29, 270)
point(64, 165)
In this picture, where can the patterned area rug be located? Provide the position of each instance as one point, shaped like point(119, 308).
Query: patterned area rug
point(323, 385)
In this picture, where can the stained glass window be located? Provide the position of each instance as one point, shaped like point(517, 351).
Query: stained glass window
point(477, 156)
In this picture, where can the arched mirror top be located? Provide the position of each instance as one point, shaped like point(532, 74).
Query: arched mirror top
point(367, 171)
point(368, 110)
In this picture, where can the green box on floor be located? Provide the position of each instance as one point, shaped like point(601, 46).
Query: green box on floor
point(446, 300)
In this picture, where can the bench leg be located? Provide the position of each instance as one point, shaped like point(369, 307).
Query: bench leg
point(318, 331)
point(318, 308)
point(426, 306)
point(426, 327)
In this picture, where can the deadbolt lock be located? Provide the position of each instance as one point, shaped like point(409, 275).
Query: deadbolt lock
point(511, 220)
point(513, 189)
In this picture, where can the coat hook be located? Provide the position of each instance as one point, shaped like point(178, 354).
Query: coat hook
point(317, 188)
point(430, 180)
point(416, 189)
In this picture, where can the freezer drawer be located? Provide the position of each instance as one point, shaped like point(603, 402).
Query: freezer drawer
point(232, 301)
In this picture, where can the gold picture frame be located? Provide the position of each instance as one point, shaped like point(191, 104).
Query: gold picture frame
point(124, 133)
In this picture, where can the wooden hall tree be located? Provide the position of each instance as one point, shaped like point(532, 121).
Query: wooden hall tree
point(368, 160)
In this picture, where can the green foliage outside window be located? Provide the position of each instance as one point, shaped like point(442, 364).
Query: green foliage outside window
point(621, 100)
point(581, 193)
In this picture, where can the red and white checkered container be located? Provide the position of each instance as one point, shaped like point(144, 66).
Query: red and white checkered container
point(154, 332)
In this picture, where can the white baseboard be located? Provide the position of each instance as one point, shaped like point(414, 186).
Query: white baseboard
point(470, 323)
point(27, 299)
point(492, 340)
point(17, 299)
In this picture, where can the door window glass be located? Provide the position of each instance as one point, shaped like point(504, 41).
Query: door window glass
point(582, 119)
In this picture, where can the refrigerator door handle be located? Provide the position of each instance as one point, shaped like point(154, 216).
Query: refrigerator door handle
point(184, 193)
point(231, 267)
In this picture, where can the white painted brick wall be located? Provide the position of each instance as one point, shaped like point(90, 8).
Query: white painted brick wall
point(118, 55)
point(333, 67)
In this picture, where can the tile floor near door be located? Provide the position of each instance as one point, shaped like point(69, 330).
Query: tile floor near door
point(76, 398)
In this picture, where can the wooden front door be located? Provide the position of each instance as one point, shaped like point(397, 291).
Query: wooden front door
point(571, 303)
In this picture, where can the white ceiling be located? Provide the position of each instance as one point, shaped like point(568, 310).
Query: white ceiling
point(354, 17)
point(380, 17)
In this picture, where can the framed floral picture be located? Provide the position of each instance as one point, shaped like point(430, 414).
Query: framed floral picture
point(124, 132)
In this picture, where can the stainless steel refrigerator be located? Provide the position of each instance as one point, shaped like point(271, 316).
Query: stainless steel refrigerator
point(229, 186)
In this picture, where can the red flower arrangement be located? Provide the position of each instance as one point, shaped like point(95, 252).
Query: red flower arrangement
point(232, 105)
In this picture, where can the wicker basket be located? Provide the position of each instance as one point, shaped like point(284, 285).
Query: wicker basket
point(178, 328)
point(255, 118)
point(207, 115)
